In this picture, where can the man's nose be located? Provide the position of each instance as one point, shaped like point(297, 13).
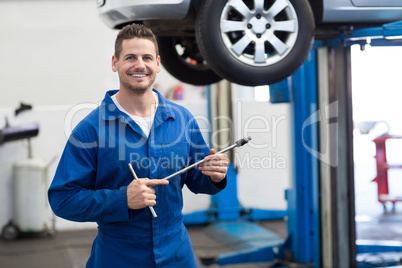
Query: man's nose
point(139, 64)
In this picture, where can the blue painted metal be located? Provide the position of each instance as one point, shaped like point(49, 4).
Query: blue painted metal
point(255, 214)
point(378, 246)
point(196, 218)
point(387, 255)
point(379, 263)
point(285, 248)
point(280, 92)
point(388, 30)
point(385, 43)
point(246, 256)
point(389, 34)
point(246, 235)
point(252, 242)
point(250, 214)
point(226, 202)
point(224, 206)
point(303, 198)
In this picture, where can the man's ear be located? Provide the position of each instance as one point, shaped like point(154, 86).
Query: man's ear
point(114, 63)
point(158, 60)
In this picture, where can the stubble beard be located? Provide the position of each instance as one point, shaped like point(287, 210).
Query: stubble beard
point(137, 89)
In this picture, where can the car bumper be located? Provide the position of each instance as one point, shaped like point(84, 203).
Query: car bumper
point(118, 12)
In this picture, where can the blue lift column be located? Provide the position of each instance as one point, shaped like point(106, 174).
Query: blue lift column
point(303, 244)
point(321, 231)
point(225, 205)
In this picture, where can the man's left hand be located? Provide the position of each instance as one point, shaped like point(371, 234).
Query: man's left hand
point(215, 166)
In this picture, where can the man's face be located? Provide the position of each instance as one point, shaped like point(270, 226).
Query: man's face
point(137, 65)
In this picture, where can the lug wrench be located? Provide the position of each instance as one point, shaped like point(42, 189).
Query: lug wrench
point(238, 143)
point(136, 178)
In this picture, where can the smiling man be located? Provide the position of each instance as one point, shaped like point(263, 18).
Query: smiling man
point(135, 125)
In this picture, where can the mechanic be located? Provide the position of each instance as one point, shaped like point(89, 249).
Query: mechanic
point(135, 125)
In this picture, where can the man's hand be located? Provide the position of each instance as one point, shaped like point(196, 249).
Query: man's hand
point(140, 193)
point(215, 166)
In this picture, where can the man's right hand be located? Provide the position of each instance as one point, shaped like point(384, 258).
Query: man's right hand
point(140, 193)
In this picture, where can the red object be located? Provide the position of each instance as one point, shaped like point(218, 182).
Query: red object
point(178, 92)
point(382, 170)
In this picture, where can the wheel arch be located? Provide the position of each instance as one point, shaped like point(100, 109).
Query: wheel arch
point(317, 7)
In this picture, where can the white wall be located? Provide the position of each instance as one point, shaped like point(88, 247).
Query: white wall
point(265, 163)
point(55, 125)
point(53, 53)
point(56, 55)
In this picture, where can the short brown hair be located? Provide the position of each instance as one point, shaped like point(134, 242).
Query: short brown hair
point(132, 31)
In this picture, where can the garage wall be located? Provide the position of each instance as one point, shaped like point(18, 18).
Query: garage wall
point(55, 55)
point(264, 166)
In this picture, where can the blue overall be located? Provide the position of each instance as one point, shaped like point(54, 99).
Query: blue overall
point(91, 181)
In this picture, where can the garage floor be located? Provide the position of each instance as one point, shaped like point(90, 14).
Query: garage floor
point(70, 249)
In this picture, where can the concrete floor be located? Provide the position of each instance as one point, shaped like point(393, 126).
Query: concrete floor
point(71, 249)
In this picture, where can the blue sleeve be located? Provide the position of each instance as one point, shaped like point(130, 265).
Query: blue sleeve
point(72, 194)
point(195, 180)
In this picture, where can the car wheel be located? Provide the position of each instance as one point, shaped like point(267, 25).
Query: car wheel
point(255, 42)
point(182, 59)
point(10, 231)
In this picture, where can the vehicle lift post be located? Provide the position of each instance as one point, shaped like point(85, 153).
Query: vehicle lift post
point(321, 227)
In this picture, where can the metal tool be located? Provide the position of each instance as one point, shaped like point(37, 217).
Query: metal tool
point(136, 178)
point(238, 143)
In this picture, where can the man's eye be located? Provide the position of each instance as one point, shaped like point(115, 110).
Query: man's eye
point(130, 58)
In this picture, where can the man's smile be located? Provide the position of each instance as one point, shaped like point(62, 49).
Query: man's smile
point(139, 75)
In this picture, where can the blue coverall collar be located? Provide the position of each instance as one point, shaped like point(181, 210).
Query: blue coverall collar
point(109, 110)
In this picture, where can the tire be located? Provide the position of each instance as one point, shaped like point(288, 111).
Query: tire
point(228, 32)
point(188, 66)
point(10, 232)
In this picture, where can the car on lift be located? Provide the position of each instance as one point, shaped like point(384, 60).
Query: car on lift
point(248, 42)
